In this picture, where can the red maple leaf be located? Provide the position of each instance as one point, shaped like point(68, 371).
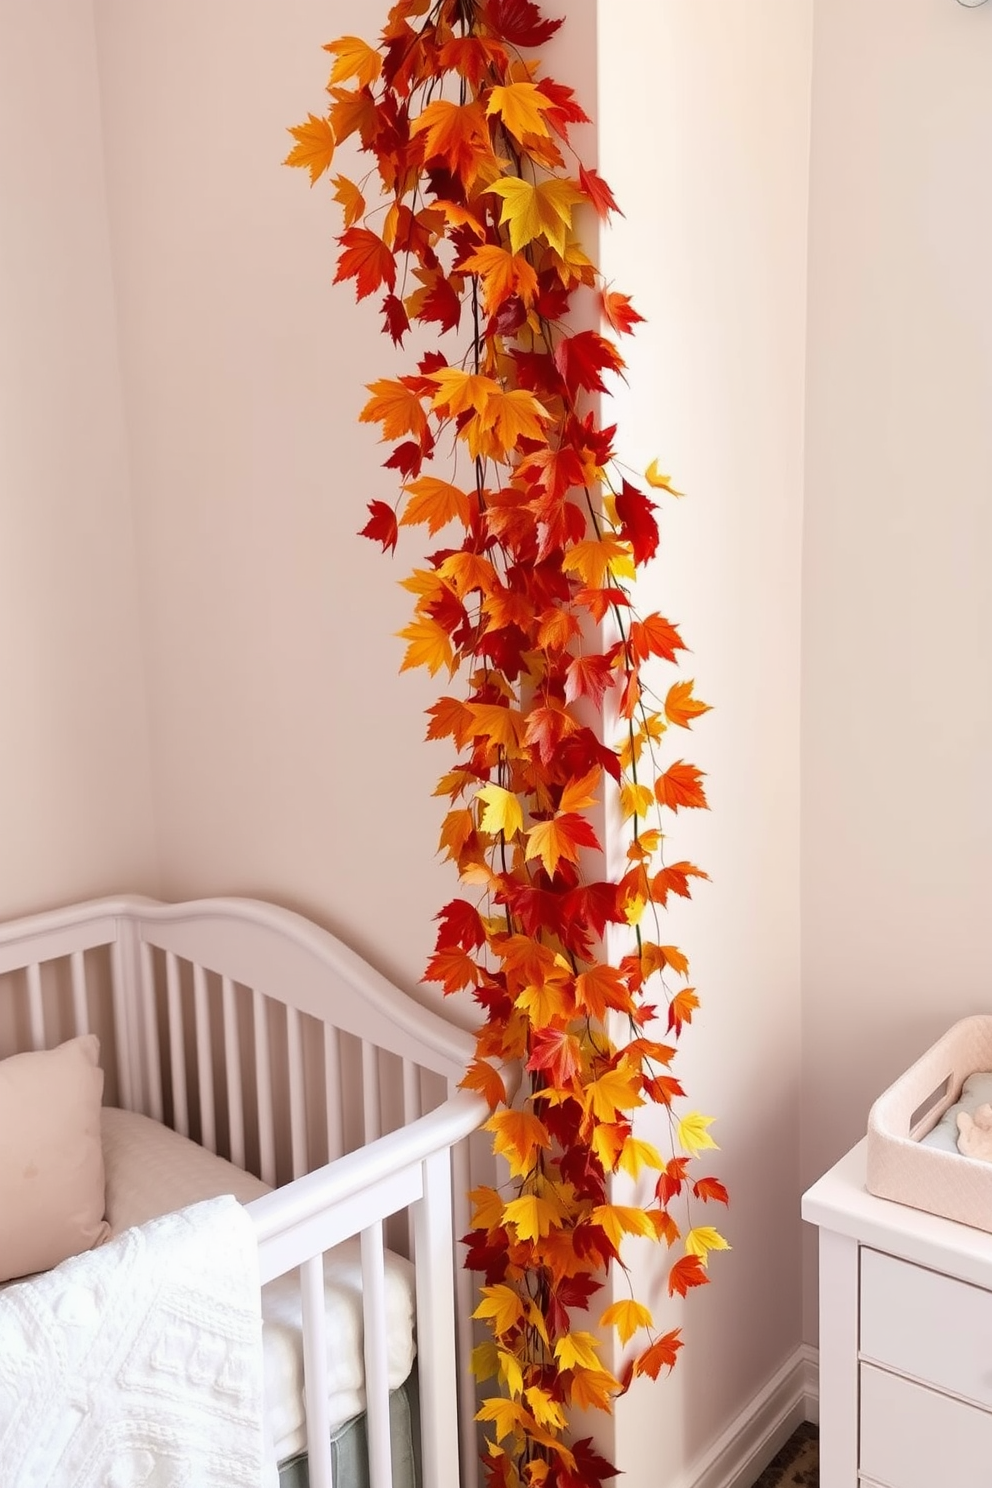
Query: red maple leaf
point(687, 1272)
point(397, 322)
point(670, 1183)
point(558, 1052)
point(381, 526)
point(461, 925)
point(638, 523)
point(519, 22)
point(590, 1467)
point(581, 358)
point(441, 304)
point(711, 1188)
point(589, 676)
point(598, 192)
point(366, 259)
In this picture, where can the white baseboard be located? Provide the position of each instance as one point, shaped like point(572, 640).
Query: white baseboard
point(754, 1436)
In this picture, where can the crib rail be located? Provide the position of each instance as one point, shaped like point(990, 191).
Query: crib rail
point(271, 1043)
point(355, 1196)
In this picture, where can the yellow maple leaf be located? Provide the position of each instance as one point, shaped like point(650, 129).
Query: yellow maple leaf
point(531, 1216)
point(544, 1409)
point(510, 1372)
point(607, 1142)
point(522, 107)
point(314, 148)
point(660, 482)
point(635, 799)
point(617, 1220)
point(616, 1090)
point(506, 418)
point(545, 1001)
point(543, 210)
point(627, 1317)
point(502, 1305)
point(637, 1155)
point(599, 558)
point(355, 59)
point(517, 1135)
point(502, 812)
point(468, 571)
point(429, 646)
point(702, 1239)
point(461, 392)
point(488, 1211)
point(506, 1415)
point(577, 1351)
point(593, 1389)
point(693, 1136)
point(484, 1361)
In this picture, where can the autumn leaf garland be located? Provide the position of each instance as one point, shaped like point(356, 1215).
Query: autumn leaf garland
point(464, 224)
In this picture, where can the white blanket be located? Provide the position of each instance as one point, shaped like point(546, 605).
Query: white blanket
point(139, 1364)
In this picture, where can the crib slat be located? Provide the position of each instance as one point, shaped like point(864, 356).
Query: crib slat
point(204, 1059)
point(465, 1283)
point(436, 1332)
point(412, 1108)
point(263, 1090)
point(412, 1103)
point(315, 1372)
point(376, 1363)
point(371, 1108)
point(232, 1070)
point(177, 1046)
point(297, 1093)
point(332, 1092)
point(80, 1007)
point(153, 1056)
point(36, 1011)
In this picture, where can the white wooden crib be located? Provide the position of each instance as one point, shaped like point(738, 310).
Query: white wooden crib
point(266, 1040)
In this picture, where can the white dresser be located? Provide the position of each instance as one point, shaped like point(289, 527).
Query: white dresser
point(905, 1340)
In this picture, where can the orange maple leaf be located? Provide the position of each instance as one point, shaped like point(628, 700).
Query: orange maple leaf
point(396, 407)
point(680, 705)
point(314, 148)
point(680, 786)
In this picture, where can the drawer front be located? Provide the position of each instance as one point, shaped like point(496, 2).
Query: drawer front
point(912, 1437)
point(926, 1325)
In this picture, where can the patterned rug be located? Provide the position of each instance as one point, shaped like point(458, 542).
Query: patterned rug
point(797, 1465)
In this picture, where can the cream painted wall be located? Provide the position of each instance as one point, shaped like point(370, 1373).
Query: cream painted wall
point(897, 618)
point(75, 798)
point(704, 135)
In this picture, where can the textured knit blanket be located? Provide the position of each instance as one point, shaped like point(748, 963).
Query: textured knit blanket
point(139, 1364)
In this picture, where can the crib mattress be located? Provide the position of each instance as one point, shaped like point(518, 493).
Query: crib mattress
point(151, 1170)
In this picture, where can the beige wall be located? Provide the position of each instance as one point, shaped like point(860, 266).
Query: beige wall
point(289, 755)
point(897, 618)
point(75, 803)
point(705, 139)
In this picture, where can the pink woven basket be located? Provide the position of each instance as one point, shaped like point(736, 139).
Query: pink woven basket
point(898, 1167)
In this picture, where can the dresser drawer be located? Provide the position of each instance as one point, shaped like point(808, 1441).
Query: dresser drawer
point(932, 1327)
point(912, 1437)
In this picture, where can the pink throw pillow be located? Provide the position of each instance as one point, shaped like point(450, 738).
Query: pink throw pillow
point(52, 1196)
